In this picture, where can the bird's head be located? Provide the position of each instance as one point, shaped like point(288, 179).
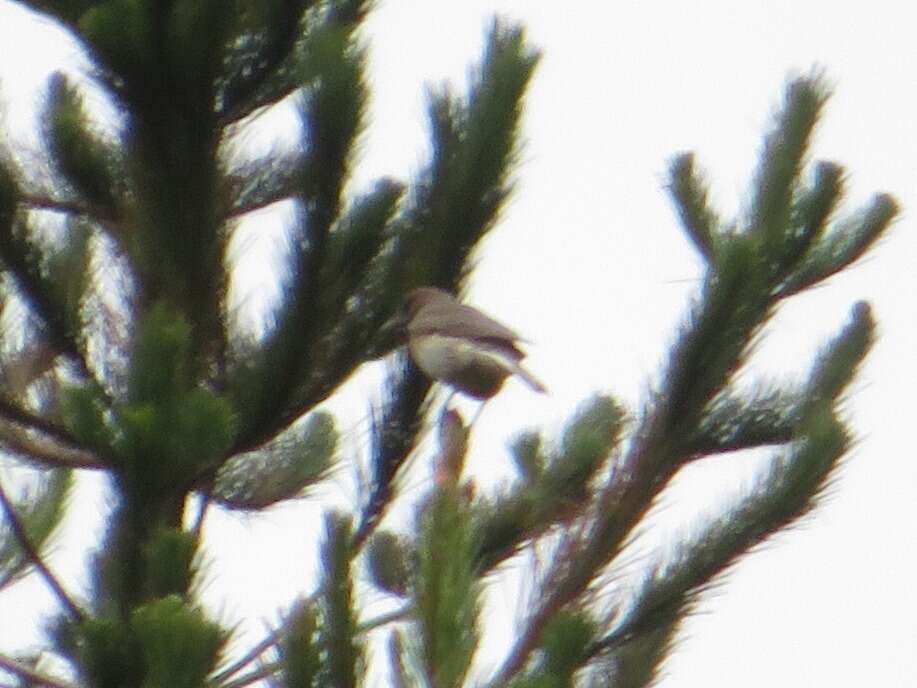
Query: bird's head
point(423, 296)
point(394, 332)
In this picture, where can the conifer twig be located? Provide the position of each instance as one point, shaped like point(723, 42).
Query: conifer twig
point(271, 639)
point(266, 643)
point(55, 205)
point(92, 213)
point(20, 416)
point(262, 672)
point(33, 676)
point(32, 555)
point(383, 619)
point(47, 456)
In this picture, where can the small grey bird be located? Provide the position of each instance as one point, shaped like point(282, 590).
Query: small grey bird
point(461, 347)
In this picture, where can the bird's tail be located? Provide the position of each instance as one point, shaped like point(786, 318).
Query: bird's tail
point(530, 379)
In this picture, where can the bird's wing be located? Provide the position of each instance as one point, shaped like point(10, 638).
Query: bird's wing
point(459, 320)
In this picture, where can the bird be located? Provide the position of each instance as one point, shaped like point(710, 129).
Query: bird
point(462, 347)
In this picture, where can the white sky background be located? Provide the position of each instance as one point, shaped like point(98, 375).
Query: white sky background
point(589, 263)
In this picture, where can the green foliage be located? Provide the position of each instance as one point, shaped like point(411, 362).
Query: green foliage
point(475, 144)
point(107, 654)
point(190, 435)
point(790, 489)
point(179, 646)
point(196, 32)
point(527, 452)
point(567, 640)
point(589, 436)
point(205, 428)
point(390, 562)
point(297, 366)
point(40, 510)
point(332, 112)
point(79, 154)
point(159, 362)
point(266, 62)
point(813, 207)
point(343, 652)
point(120, 33)
point(84, 414)
point(300, 653)
point(697, 409)
point(780, 166)
point(555, 486)
point(69, 270)
point(638, 662)
point(843, 245)
point(840, 359)
point(448, 588)
point(165, 419)
point(155, 386)
point(282, 470)
point(356, 241)
point(689, 191)
point(54, 298)
point(169, 557)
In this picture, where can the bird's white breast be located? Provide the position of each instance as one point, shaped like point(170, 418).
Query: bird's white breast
point(439, 356)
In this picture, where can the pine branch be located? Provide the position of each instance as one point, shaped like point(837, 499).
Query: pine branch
point(183, 76)
point(783, 156)
point(284, 58)
point(725, 320)
point(736, 421)
point(15, 414)
point(263, 55)
point(343, 653)
point(401, 614)
point(300, 650)
point(88, 163)
point(339, 633)
point(46, 455)
point(393, 436)
point(459, 196)
point(36, 293)
point(390, 452)
point(689, 191)
point(252, 655)
point(793, 486)
point(563, 653)
point(268, 670)
point(22, 536)
point(31, 675)
point(332, 118)
point(636, 662)
point(847, 242)
point(67, 207)
point(260, 183)
point(739, 296)
point(448, 589)
point(557, 484)
point(814, 206)
point(284, 469)
point(21, 259)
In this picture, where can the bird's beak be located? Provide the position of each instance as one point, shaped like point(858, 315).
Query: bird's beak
point(392, 334)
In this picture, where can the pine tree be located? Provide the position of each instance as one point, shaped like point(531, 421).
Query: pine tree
point(121, 353)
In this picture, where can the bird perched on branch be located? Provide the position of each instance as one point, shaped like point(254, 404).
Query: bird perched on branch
point(462, 347)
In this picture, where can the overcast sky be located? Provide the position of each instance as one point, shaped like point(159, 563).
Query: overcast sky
point(588, 262)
